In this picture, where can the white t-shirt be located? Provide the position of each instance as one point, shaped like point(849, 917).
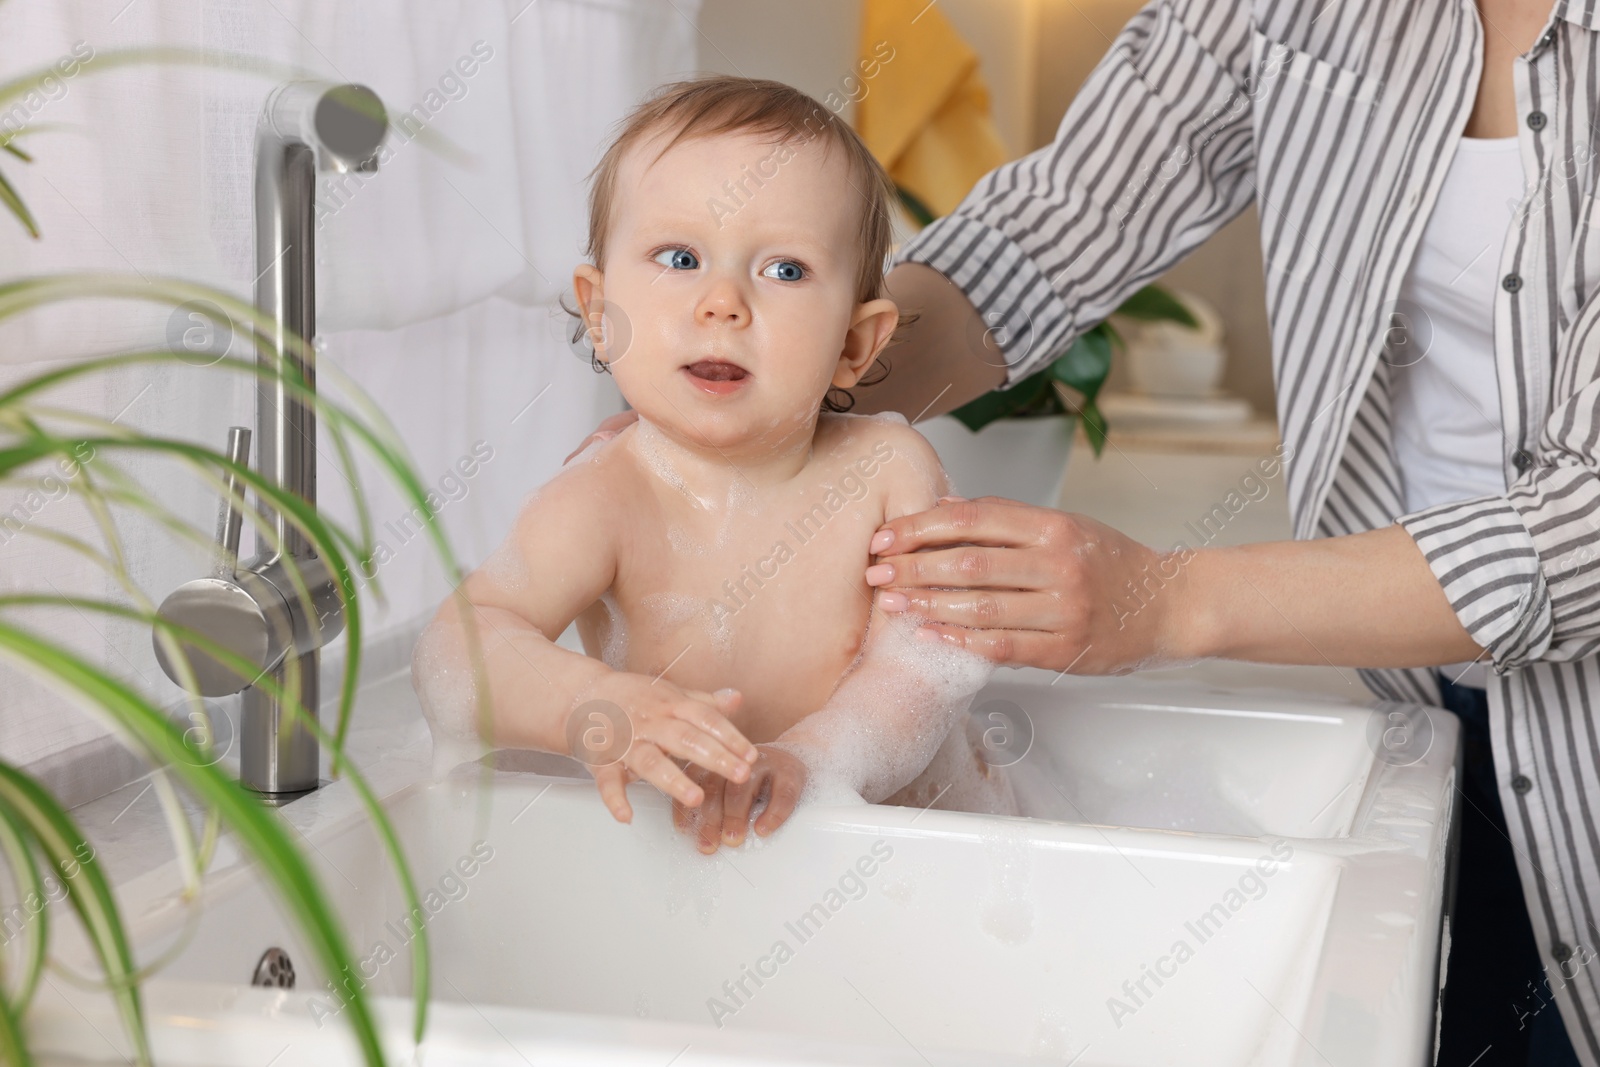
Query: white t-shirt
point(1448, 437)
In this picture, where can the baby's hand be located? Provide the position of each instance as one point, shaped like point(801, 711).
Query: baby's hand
point(778, 775)
point(668, 721)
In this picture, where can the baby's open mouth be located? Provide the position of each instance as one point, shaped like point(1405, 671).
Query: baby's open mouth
point(713, 370)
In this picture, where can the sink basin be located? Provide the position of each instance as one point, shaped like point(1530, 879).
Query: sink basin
point(1248, 879)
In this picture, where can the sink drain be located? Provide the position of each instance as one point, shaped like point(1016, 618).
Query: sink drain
point(276, 970)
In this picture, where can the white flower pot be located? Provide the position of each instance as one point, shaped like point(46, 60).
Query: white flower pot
point(1021, 459)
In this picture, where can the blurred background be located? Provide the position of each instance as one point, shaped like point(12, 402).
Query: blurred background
point(1032, 55)
point(440, 277)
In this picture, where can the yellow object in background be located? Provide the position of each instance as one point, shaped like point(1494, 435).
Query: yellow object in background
point(926, 114)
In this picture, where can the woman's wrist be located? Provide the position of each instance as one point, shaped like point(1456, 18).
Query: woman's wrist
point(1188, 630)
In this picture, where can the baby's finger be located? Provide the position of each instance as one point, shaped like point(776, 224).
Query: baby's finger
point(710, 817)
point(707, 717)
point(612, 783)
point(736, 800)
point(686, 741)
point(685, 818)
point(648, 763)
point(780, 805)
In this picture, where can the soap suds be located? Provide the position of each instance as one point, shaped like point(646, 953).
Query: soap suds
point(506, 568)
point(442, 676)
point(613, 634)
point(880, 728)
point(668, 611)
point(682, 543)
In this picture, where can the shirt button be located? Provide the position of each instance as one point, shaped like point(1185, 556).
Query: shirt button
point(1511, 282)
point(1537, 120)
point(1561, 951)
point(1521, 784)
point(1522, 459)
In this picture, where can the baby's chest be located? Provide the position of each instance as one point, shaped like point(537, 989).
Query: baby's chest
point(777, 610)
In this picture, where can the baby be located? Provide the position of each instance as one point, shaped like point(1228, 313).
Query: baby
point(713, 551)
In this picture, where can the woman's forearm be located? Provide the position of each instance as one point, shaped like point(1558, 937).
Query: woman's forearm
point(1363, 600)
point(943, 361)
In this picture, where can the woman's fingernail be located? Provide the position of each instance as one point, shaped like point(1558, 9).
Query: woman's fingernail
point(880, 574)
point(926, 634)
point(894, 602)
point(880, 541)
point(948, 499)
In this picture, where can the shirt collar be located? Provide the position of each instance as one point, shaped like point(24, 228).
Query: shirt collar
point(1585, 13)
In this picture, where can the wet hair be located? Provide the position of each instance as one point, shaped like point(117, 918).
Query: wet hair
point(720, 104)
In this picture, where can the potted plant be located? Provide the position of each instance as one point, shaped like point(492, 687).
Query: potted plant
point(40, 842)
point(1024, 454)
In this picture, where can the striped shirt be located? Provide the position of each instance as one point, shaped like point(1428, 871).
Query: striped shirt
point(1338, 121)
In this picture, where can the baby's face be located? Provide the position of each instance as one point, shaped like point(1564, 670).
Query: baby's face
point(739, 314)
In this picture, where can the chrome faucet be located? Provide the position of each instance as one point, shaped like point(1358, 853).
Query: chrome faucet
point(255, 609)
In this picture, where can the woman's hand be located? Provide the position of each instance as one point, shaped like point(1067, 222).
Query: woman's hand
point(1032, 586)
point(1036, 587)
point(726, 809)
point(609, 427)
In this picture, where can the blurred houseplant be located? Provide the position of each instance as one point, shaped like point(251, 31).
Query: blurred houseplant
point(44, 855)
point(1025, 455)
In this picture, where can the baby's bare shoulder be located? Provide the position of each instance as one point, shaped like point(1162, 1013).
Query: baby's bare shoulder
point(599, 478)
point(904, 463)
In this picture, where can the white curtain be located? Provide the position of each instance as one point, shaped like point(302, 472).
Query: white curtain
point(437, 277)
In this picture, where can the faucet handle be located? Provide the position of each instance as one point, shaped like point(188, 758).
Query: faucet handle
point(229, 516)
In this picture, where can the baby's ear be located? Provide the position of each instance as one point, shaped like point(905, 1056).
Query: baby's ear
point(588, 286)
point(871, 327)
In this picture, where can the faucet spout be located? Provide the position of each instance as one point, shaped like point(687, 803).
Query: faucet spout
point(259, 611)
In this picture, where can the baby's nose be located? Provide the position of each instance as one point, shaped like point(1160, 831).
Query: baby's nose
point(722, 311)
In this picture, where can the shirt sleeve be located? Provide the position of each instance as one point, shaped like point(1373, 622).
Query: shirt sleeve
point(1522, 571)
point(1154, 155)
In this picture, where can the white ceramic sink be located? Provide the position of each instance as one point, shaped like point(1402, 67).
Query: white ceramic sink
point(1251, 880)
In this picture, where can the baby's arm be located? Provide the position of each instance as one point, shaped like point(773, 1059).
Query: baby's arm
point(894, 707)
point(559, 558)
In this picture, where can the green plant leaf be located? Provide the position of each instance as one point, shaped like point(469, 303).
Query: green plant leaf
point(1094, 426)
point(260, 830)
point(919, 212)
point(13, 1049)
point(1154, 304)
point(1029, 395)
point(25, 870)
point(87, 890)
point(421, 953)
point(1085, 364)
point(14, 204)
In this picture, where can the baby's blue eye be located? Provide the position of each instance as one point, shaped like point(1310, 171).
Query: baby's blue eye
point(785, 271)
point(678, 259)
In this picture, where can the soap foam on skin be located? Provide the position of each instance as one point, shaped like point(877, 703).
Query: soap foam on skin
point(613, 634)
point(650, 447)
point(880, 733)
point(442, 676)
point(667, 610)
point(683, 544)
point(506, 568)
